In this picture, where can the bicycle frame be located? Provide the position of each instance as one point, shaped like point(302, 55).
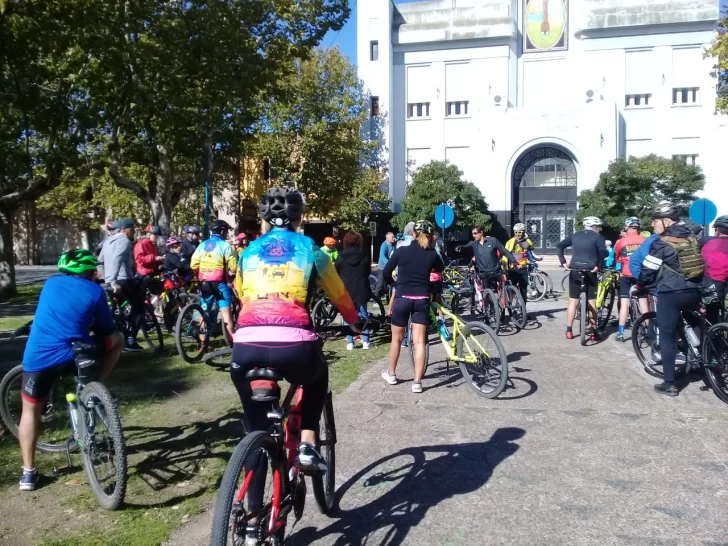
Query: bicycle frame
point(451, 346)
point(607, 280)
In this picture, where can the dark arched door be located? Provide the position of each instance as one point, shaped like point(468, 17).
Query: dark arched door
point(544, 195)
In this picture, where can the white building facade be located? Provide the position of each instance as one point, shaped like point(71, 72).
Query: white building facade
point(532, 99)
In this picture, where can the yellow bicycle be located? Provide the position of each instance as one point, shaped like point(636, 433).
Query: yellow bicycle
point(606, 295)
point(475, 347)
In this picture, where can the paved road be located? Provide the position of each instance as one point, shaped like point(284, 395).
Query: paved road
point(579, 451)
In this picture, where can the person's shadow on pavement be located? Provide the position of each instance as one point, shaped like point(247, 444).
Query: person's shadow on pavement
point(411, 482)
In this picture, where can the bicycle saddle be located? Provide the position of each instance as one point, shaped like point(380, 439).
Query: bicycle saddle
point(264, 384)
point(86, 349)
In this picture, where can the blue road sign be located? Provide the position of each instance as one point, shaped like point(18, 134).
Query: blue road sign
point(444, 216)
point(703, 211)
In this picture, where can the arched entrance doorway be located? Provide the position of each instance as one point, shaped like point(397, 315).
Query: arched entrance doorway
point(544, 195)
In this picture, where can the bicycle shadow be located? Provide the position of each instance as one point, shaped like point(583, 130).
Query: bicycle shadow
point(174, 456)
point(406, 485)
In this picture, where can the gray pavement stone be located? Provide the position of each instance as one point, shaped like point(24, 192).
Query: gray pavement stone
point(580, 451)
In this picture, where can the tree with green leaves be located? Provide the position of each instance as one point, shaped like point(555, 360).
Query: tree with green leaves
point(178, 83)
point(719, 52)
point(634, 186)
point(45, 114)
point(312, 135)
point(438, 182)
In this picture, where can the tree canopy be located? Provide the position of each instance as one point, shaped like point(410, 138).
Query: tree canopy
point(719, 51)
point(436, 183)
point(634, 186)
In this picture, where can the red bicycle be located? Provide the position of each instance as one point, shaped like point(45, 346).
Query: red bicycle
point(263, 461)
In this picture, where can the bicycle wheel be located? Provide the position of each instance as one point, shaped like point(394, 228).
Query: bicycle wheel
point(104, 455)
point(191, 333)
point(324, 485)
point(487, 375)
point(491, 309)
point(55, 424)
point(323, 313)
point(377, 314)
point(254, 465)
point(565, 283)
point(604, 313)
point(549, 282)
point(537, 287)
point(516, 307)
point(411, 346)
point(583, 318)
point(151, 330)
point(644, 340)
point(715, 358)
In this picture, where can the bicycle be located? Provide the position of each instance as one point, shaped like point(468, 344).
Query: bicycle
point(324, 312)
point(582, 309)
point(539, 284)
point(198, 325)
point(606, 294)
point(509, 299)
point(90, 407)
point(484, 369)
point(176, 294)
point(274, 450)
point(150, 328)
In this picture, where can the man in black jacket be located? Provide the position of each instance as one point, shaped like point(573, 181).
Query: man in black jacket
point(588, 252)
point(190, 242)
point(675, 266)
point(485, 255)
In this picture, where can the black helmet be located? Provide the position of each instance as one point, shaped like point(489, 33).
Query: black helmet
point(721, 222)
point(218, 226)
point(666, 211)
point(423, 226)
point(282, 205)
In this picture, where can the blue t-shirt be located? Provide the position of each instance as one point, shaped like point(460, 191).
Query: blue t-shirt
point(69, 306)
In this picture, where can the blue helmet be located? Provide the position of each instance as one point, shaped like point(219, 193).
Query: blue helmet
point(192, 229)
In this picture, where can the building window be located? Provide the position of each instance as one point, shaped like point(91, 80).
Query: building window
point(457, 108)
point(690, 159)
point(544, 167)
point(637, 100)
point(685, 95)
point(375, 106)
point(418, 110)
point(374, 50)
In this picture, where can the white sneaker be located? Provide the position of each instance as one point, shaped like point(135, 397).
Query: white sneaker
point(417, 386)
point(391, 379)
point(366, 345)
point(349, 346)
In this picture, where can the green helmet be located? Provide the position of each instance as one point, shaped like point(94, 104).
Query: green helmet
point(77, 261)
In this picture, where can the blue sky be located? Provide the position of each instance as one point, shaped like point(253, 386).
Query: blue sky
point(346, 37)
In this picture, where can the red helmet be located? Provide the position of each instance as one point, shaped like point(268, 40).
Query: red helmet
point(330, 241)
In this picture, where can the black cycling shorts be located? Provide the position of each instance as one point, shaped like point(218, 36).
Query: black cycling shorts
point(404, 308)
point(37, 385)
point(590, 281)
point(625, 285)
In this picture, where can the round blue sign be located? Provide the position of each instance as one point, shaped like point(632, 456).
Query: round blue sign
point(703, 211)
point(444, 216)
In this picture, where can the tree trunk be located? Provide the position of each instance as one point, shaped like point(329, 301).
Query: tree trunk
point(7, 261)
point(161, 216)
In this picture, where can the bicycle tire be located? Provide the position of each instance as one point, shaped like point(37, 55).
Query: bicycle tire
point(151, 329)
point(322, 315)
point(717, 376)
point(583, 318)
point(491, 310)
point(324, 485)
point(497, 366)
point(110, 499)
point(549, 282)
point(604, 314)
point(565, 283)
point(537, 287)
point(11, 406)
point(411, 347)
point(519, 318)
point(250, 445)
point(187, 331)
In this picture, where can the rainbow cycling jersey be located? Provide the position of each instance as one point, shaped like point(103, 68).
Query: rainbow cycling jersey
point(213, 259)
point(277, 276)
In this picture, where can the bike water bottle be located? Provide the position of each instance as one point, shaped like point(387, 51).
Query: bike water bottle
point(73, 411)
point(691, 336)
point(443, 329)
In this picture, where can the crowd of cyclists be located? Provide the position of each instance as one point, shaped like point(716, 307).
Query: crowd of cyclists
point(277, 272)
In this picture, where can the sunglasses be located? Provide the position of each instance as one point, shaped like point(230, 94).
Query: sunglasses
point(519, 232)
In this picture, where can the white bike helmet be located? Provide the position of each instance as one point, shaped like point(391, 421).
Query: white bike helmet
point(519, 227)
point(592, 222)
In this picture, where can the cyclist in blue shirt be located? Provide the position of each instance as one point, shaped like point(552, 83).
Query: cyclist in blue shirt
point(59, 321)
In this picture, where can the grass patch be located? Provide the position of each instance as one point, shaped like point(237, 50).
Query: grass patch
point(10, 324)
point(181, 423)
point(26, 294)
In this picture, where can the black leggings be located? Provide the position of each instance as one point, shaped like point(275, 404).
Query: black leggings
point(669, 314)
point(300, 363)
point(519, 277)
point(134, 291)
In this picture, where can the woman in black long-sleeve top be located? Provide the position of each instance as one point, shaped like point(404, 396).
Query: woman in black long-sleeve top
point(414, 263)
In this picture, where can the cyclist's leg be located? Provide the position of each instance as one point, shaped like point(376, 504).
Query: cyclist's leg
point(519, 277)
point(668, 318)
point(35, 389)
point(420, 320)
point(132, 291)
point(625, 285)
point(224, 302)
point(113, 347)
point(574, 292)
point(592, 283)
point(400, 320)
